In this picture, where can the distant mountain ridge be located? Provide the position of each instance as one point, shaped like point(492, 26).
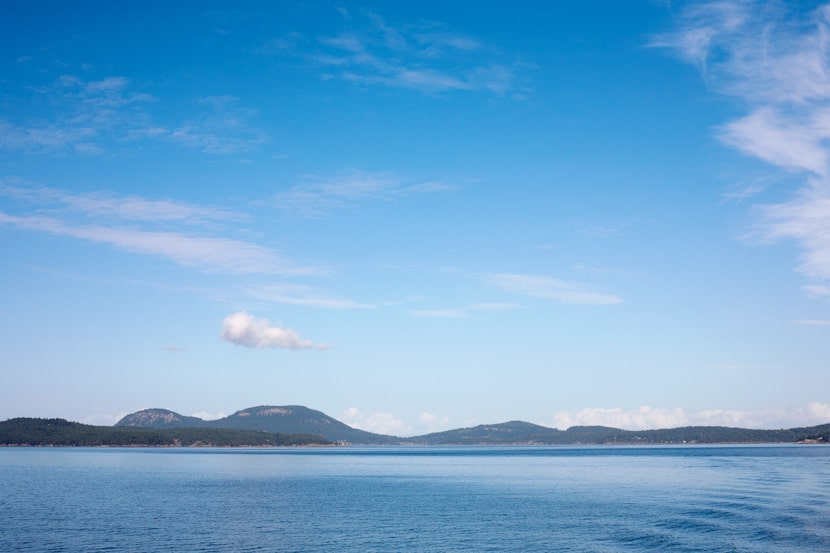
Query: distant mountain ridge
point(296, 419)
point(284, 419)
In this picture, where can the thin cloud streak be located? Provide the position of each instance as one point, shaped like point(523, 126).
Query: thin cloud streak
point(210, 254)
point(544, 287)
point(817, 291)
point(319, 197)
point(440, 313)
point(109, 206)
point(105, 217)
point(813, 322)
point(462, 312)
point(302, 295)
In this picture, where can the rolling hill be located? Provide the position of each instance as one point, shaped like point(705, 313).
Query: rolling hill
point(287, 419)
point(295, 419)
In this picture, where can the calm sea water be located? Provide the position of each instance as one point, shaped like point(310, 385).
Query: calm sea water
point(592, 499)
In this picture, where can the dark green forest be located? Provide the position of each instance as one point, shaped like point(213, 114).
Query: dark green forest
point(59, 432)
point(519, 432)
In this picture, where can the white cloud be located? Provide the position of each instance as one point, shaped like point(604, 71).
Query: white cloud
point(494, 306)
point(646, 417)
point(440, 313)
point(318, 197)
point(104, 419)
point(246, 330)
point(805, 219)
point(302, 295)
point(776, 58)
point(222, 128)
point(462, 312)
point(817, 290)
point(549, 288)
point(209, 416)
point(141, 209)
point(118, 217)
point(430, 422)
point(214, 139)
point(380, 423)
point(813, 322)
point(82, 111)
point(635, 419)
point(201, 252)
point(106, 205)
point(89, 117)
point(387, 423)
point(427, 58)
point(781, 140)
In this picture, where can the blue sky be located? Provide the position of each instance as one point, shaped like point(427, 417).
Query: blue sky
point(415, 217)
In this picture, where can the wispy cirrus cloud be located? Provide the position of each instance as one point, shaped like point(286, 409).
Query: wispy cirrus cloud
point(243, 329)
point(544, 287)
point(425, 57)
point(463, 312)
point(90, 117)
point(212, 254)
point(151, 227)
point(817, 290)
point(292, 294)
point(776, 58)
point(81, 114)
point(813, 322)
point(221, 128)
point(105, 205)
point(318, 196)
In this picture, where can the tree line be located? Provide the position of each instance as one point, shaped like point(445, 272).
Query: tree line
point(60, 432)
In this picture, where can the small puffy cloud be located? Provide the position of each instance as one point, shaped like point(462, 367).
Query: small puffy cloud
point(243, 329)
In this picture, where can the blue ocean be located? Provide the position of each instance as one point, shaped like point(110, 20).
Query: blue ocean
point(575, 499)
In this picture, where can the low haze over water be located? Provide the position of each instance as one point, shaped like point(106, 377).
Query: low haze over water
point(591, 499)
